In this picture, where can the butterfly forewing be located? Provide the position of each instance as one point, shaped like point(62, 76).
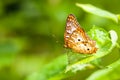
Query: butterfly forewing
point(76, 38)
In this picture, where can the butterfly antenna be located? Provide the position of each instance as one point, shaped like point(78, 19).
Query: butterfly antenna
point(57, 40)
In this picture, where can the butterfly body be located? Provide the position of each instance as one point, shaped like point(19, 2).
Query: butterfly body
point(76, 38)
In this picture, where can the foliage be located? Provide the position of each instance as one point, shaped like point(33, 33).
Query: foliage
point(80, 62)
point(31, 40)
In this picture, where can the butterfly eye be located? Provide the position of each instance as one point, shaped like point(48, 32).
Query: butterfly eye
point(78, 39)
point(84, 44)
point(88, 49)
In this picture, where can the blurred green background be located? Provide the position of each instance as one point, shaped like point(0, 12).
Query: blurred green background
point(31, 32)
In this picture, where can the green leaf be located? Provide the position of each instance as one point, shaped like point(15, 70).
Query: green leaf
point(109, 73)
point(104, 43)
point(50, 70)
point(118, 15)
point(55, 69)
point(97, 11)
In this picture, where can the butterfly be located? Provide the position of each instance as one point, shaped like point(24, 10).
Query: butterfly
point(76, 38)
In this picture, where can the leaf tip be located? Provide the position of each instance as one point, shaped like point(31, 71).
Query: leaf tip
point(113, 36)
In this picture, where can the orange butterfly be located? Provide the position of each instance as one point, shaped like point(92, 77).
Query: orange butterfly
point(76, 38)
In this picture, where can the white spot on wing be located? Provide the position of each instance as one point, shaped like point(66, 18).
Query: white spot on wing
point(72, 28)
point(67, 36)
point(69, 31)
point(78, 37)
